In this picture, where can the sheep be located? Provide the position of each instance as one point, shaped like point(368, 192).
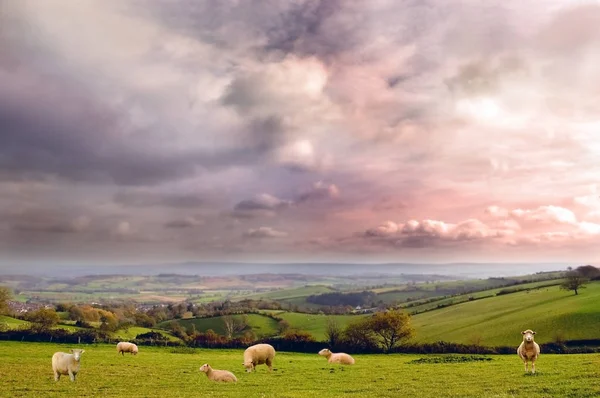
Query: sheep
point(340, 357)
point(218, 375)
point(529, 350)
point(63, 363)
point(124, 347)
point(259, 354)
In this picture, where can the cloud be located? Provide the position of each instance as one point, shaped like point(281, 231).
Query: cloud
point(429, 232)
point(264, 232)
point(319, 191)
point(388, 228)
point(188, 222)
point(195, 105)
point(145, 198)
point(50, 224)
point(262, 202)
point(553, 214)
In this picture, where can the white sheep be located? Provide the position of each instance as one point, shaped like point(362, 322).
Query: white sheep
point(124, 347)
point(259, 354)
point(340, 357)
point(218, 375)
point(63, 364)
point(529, 350)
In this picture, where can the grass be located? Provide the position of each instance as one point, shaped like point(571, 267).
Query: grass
point(551, 312)
point(415, 307)
point(131, 332)
point(315, 324)
point(287, 294)
point(12, 323)
point(261, 325)
point(157, 371)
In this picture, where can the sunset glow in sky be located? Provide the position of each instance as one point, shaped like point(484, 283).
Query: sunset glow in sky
point(306, 130)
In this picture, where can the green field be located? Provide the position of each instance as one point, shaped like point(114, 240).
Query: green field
point(551, 312)
point(261, 325)
point(427, 305)
point(159, 372)
point(315, 324)
point(287, 294)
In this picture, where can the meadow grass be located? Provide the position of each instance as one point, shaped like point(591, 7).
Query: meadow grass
point(159, 372)
point(551, 312)
point(261, 325)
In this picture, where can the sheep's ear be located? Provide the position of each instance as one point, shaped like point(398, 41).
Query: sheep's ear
point(71, 351)
point(533, 333)
point(523, 332)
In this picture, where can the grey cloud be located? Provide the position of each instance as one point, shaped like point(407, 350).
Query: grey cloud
point(150, 198)
point(319, 191)
point(264, 232)
point(262, 202)
point(188, 222)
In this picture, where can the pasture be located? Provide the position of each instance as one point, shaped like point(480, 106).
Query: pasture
point(551, 312)
point(161, 371)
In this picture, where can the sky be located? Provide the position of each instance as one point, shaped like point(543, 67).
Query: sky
point(136, 131)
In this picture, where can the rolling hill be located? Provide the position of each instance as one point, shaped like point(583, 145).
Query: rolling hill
point(551, 312)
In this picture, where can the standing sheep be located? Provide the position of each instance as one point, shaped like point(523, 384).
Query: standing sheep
point(124, 347)
point(257, 355)
point(218, 375)
point(340, 357)
point(529, 350)
point(63, 364)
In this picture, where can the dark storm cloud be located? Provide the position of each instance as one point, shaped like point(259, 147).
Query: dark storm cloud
point(53, 128)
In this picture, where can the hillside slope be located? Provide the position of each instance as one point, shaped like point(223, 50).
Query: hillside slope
point(551, 312)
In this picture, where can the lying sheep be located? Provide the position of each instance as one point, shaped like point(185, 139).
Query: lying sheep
point(257, 355)
point(124, 347)
point(63, 364)
point(529, 350)
point(340, 357)
point(218, 375)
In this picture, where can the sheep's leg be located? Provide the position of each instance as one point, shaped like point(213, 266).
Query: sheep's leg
point(270, 365)
point(525, 362)
point(71, 375)
point(56, 376)
point(532, 367)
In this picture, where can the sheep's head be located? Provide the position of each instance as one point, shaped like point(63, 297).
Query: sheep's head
point(248, 365)
point(204, 368)
point(528, 335)
point(325, 352)
point(77, 354)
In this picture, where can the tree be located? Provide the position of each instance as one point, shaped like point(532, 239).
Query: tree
point(589, 271)
point(333, 332)
point(358, 335)
point(43, 319)
point(390, 328)
point(574, 280)
point(234, 325)
point(5, 296)
point(283, 326)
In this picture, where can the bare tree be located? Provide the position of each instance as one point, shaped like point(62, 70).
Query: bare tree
point(234, 324)
point(333, 332)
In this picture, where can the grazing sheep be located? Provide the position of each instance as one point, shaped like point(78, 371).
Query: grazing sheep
point(63, 364)
point(218, 375)
point(124, 347)
point(257, 355)
point(340, 357)
point(529, 350)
